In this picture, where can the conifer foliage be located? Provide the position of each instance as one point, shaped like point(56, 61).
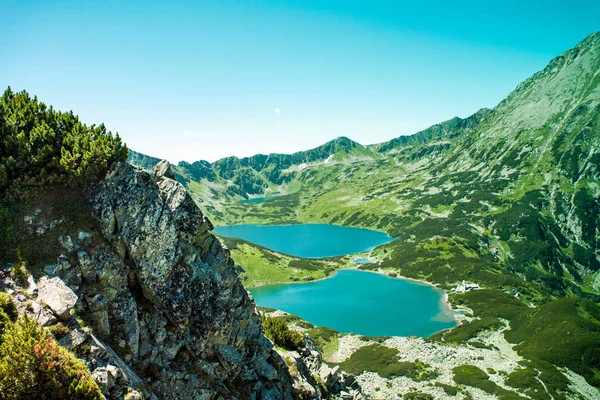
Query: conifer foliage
point(33, 366)
point(41, 146)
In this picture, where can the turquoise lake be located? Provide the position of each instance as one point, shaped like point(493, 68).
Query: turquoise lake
point(308, 240)
point(364, 303)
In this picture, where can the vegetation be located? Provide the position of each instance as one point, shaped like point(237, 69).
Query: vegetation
point(261, 266)
point(19, 272)
point(46, 207)
point(470, 375)
point(8, 313)
point(277, 330)
point(564, 332)
point(326, 340)
point(384, 361)
point(40, 146)
point(46, 156)
point(526, 380)
point(417, 396)
point(32, 365)
point(469, 329)
point(449, 389)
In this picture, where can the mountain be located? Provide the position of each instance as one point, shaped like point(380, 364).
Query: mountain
point(508, 193)
point(508, 198)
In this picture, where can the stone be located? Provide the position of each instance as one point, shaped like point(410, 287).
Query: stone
point(51, 269)
point(31, 285)
point(88, 271)
point(103, 378)
point(84, 236)
point(67, 243)
point(42, 315)
point(74, 339)
point(163, 169)
point(58, 296)
point(173, 294)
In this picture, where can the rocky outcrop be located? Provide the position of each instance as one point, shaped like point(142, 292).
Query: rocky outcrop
point(164, 293)
point(152, 301)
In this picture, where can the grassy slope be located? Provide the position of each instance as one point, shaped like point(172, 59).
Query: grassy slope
point(261, 266)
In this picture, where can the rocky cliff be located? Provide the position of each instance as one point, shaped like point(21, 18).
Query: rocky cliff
point(166, 313)
point(171, 299)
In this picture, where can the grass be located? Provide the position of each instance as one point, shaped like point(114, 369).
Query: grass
point(261, 266)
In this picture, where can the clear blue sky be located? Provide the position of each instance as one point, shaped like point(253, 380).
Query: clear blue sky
point(206, 79)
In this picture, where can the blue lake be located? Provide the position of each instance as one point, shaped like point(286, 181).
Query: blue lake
point(364, 303)
point(308, 240)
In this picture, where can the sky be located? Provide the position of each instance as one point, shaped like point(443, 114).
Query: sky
point(191, 80)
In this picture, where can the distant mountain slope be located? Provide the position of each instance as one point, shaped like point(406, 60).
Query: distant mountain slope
point(445, 130)
point(508, 192)
point(142, 160)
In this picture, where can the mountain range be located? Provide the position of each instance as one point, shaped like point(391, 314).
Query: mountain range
point(509, 196)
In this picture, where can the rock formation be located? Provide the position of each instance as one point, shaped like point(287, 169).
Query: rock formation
point(168, 314)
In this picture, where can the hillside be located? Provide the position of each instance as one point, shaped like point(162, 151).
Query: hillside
point(505, 195)
point(508, 198)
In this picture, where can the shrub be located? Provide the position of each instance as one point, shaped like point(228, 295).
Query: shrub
point(19, 272)
point(8, 313)
point(417, 396)
point(385, 362)
point(33, 366)
point(277, 330)
point(8, 306)
point(59, 330)
point(40, 146)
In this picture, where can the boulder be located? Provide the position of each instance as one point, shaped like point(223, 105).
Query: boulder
point(58, 296)
point(163, 169)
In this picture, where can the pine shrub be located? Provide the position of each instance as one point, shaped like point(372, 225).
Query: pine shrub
point(40, 146)
point(33, 366)
point(277, 330)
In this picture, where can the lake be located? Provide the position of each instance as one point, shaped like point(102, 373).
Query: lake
point(308, 240)
point(364, 303)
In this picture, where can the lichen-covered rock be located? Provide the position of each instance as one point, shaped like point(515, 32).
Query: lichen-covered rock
point(58, 296)
point(166, 294)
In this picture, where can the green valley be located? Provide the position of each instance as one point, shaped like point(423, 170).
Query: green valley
point(508, 198)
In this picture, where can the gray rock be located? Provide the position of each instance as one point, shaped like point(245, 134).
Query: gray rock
point(103, 378)
point(43, 316)
point(31, 285)
point(58, 296)
point(51, 269)
point(173, 294)
point(88, 271)
point(67, 243)
point(75, 338)
point(84, 236)
point(163, 169)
